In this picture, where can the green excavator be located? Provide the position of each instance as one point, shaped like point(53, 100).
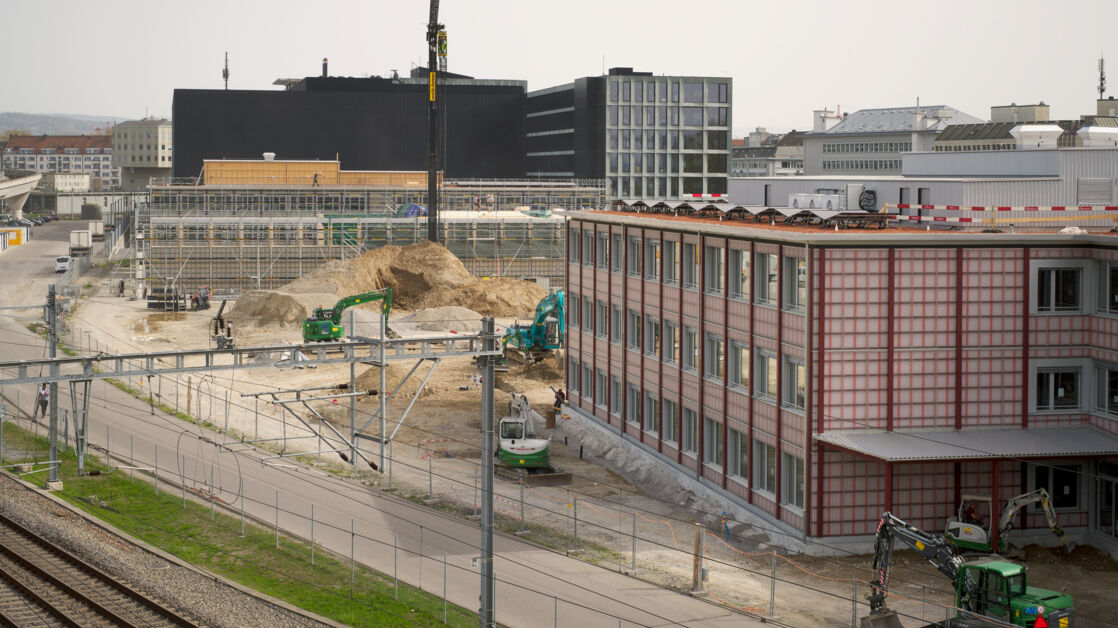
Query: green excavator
point(326, 324)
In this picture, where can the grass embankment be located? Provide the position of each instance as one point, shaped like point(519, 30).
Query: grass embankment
point(252, 560)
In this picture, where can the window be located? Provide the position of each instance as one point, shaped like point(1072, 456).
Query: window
point(573, 319)
point(1112, 289)
point(587, 313)
point(634, 253)
point(764, 467)
point(690, 348)
point(633, 405)
point(766, 374)
point(1061, 482)
point(739, 274)
point(626, 91)
point(1057, 290)
point(1107, 389)
point(739, 366)
point(599, 388)
point(793, 383)
point(613, 91)
point(671, 262)
point(737, 454)
point(574, 240)
point(670, 416)
point(633, 330)
point(651, 336)
point(690, 431)
point(713, 358)
point(572, 371)
point(712, 441)
point(614, 395)
point(795, 283)
point(587, 248)
point(587, 384)
point(1057, 389)
point(693, 92)
point(671, 343)
point(792, 480)
point(712, 269)
point(766, 278)
point(600, 320)
point(652, 258)
point(615, 323)
point(603, 242)
point(690, 261)
point(651, 413)
point(615, 253)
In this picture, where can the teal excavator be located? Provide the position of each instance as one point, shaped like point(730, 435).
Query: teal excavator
point(326, 324)
point(544, 335)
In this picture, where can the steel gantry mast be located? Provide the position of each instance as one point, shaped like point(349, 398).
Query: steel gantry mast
point(436, 47)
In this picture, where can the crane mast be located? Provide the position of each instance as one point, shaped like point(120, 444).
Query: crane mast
point(433, 29)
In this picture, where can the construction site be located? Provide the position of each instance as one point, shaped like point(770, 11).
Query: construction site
point(615, 509)
point(246, 225)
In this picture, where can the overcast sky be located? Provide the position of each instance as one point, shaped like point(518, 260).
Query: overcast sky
point(786, 58)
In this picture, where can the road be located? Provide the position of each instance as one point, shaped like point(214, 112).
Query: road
point(534, 586)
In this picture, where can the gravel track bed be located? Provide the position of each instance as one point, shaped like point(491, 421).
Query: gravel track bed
point(201, 597)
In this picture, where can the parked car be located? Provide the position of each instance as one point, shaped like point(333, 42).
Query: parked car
point(23, 222)
point(62, 263)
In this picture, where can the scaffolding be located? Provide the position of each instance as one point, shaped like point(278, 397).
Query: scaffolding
point(237, 238)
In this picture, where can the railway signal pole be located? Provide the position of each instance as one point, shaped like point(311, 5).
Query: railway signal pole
point(52, 344)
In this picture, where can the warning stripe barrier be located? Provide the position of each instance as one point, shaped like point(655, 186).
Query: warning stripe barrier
point(1006, 208)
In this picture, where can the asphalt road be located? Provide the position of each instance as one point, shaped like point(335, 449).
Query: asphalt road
point(535, 587)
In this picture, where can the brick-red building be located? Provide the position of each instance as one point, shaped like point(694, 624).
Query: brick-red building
point(817, 378)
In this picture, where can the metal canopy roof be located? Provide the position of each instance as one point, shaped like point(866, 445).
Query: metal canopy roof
point(924, 445)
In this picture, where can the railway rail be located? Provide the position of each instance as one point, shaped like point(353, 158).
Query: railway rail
point(42, 584)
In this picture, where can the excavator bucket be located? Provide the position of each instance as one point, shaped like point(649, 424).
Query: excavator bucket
point(886, 619)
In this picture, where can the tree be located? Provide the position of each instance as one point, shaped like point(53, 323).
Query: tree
point(10, 133)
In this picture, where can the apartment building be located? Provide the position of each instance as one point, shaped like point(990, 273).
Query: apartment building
point(83, 154)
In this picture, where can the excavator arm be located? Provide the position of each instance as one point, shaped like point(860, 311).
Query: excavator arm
point(334, 314)
point(1014, 505)
point(931, 546)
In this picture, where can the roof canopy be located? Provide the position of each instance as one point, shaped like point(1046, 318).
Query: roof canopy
point(929, 445)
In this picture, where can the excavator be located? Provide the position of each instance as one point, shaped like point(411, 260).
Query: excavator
point(545, 334)
point(326, 324)
point(968, 534)
point(984, 590)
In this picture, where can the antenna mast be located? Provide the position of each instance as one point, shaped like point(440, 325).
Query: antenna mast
point(225, 71)
point(1102, 78)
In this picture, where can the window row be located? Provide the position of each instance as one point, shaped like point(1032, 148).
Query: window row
point(637, 186)
point(661, 91)
point(648, 115)
point(678, 425)
point(867, 147)
point(862, 164)
point(664, 139)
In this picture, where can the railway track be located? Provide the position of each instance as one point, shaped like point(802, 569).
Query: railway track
point(42, 584)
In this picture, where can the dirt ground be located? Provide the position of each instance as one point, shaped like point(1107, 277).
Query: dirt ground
point(437, 448)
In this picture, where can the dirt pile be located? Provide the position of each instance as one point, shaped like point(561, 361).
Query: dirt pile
point(446, 318)
point(264, 307)
point(447, 377)
point(422, 275)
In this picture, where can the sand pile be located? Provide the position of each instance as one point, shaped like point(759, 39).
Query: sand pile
point(445, 318)
point(266, 307)
point(445, 379)
point(422, 275)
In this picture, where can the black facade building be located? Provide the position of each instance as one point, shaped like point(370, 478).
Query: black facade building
point(366, 123)
point(650, 136)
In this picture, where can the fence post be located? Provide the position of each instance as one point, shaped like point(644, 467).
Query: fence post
point(634, 543)
point(156, 467)
point(3, 411)
point(312, 534)
point(213, 495)
point(444, 587)
point(352, 558)
point(108, 453)
point(277, 518)
point(697, 560)
point(131, 460)
point(241, 490)
point(521, 503)
point(475, 491)
point(395, 572)
point(430, 479)
point(854, 605)
point(390, 465)
point(576, 523)
point(188, 392)
point(256, 423)
point(556, 622)
point(772, 589)
point(182, 480)
point(227, 411)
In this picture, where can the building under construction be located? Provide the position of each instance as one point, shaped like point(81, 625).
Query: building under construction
point(258, 224)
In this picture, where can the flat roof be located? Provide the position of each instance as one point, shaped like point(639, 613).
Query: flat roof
point(930, 445)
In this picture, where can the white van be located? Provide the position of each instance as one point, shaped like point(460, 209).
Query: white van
point(62, 263)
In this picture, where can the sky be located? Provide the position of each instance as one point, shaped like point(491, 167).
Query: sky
point(125, 58)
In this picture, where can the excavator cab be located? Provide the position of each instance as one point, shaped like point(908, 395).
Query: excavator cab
point(969, 530)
